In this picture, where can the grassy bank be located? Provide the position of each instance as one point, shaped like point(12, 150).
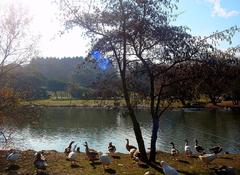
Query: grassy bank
point(122, 164)
point(110, 103)
point(75, 102)
point(83, 103)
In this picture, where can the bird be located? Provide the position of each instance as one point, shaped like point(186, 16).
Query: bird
point(225, 170)
point(129, 147)
point(149, 173)
point(40, 161)
point(41, 173)
point(13, 156)
point(215, 149)
point(198, 148)
point(104, 159)
point(111, 148)
point(91, 153)
point(136, 155)
point(131, 152)
point(73, 155)
point(174, 150)
point(68, 149)
point(207, 158)
point(187, 149)
point(168, 170)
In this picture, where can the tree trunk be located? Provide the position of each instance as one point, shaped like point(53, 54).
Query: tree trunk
point(213, 99)
point(155, 129)
point(138, 135)
point(183, 101)
point(136, 126)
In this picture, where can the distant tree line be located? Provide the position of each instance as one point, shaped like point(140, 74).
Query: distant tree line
point(45, 77)
point(215, 78)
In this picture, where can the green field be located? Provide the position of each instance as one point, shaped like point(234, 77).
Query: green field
point(109, 103)
point(80, 103)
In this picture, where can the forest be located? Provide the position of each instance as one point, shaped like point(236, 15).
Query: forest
point(215, 78)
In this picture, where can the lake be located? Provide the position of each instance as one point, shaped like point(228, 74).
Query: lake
point(58, 126)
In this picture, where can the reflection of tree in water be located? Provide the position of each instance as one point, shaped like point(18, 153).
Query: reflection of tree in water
point(57, 126)
point(209, 127)
point(15, 118)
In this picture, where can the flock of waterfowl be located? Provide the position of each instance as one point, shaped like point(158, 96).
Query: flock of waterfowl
point(72, 152)
point(203, 156)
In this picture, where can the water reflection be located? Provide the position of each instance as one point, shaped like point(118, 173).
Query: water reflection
point(58, 126)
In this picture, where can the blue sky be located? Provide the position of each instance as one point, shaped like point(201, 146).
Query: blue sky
point(204, 17)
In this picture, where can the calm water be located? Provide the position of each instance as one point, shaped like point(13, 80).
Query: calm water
point(58, 126)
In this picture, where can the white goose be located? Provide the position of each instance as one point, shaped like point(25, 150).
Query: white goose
point(136, 155)
point(187, 149)
point(73, 155)
point(168, 170)
point(207, 158)
point(104, 159)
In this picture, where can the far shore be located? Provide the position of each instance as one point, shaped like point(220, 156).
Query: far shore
point(109, 104)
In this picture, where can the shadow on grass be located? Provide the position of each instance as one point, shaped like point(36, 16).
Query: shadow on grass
point(41, 173)
point(195, 157)
point(110, 171)
point(75, 166)
point(12, 167)
point(93, 164)
point(185, 173)
point(226, 158)
point(143, 165)
point(116, 157)
point(183, 161)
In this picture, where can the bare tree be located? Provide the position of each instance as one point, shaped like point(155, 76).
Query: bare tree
point(17, 44)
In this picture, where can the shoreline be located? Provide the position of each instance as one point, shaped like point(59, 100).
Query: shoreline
point(111, 104)
point(111, 107)
point(121, 164)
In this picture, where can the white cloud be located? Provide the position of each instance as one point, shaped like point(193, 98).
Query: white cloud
point(218, 10)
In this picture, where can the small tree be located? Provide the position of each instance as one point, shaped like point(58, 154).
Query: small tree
point(16, 43)
point(17, 46)
point(219, 73)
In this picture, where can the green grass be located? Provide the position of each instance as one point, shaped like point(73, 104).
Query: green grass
point(104, 103)
point(58, 165)
point(81, 103)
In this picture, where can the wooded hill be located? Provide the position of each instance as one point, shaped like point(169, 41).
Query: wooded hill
point(45, 76)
